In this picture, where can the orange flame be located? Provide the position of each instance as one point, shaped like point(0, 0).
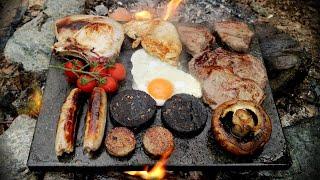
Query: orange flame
point(158, 171)
point(143, 15)
point(171, 7)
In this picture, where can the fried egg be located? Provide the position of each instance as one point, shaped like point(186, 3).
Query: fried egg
point(159, 79)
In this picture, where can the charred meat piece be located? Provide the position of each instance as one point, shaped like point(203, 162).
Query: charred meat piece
point(120, 142)
point(67, 124)
point(236, 35)
point(184, 114)
point(245, 66)
point(157, 141)
point(132, 108)
point(95, 38)
point(95, 120)
point(159, 38)
point(195, 39)
point(222, 85)
point(241, 127)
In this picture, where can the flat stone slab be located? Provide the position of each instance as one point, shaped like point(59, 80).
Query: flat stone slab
point(15, 145)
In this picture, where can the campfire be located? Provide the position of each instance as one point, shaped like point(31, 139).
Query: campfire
point(165, 37)
point(143, 15)
point(158, 171)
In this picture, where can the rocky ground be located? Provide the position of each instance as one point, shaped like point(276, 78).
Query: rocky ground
point(288, 33)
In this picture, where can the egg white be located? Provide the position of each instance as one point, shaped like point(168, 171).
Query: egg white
point(146, 68)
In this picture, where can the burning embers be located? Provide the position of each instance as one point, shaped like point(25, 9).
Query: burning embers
point(122, 14)
point(171, 8)
point(143, 15)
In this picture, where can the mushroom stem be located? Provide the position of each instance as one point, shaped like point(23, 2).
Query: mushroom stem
point(243, 123)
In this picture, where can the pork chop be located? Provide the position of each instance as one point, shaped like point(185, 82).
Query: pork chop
point(195, 39)
point(159, 38)
point(236, 35)
point(222, 85)
point(245, 66)
point(95, 38)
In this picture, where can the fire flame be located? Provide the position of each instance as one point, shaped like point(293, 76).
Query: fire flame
point(143, 15)
point(171, 7)
point(158, 171)
point(31, 106)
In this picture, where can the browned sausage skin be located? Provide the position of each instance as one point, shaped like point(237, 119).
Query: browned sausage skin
point(67, 123)
point(95, 120)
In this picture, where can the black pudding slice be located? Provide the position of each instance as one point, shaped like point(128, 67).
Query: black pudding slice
point(132, 108)
point(184, 115)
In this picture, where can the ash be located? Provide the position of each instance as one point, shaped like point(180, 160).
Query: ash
point(189, 11)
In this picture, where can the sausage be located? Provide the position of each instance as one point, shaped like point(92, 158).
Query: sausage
point(65, 133)
point(95, 120)
point(157, 141)
point(120, 142)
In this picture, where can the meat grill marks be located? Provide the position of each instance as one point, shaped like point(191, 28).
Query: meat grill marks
point(158, 37)
point(195, 39)
point(95, 120)
point(95, 38)
point(65, 133)
point(222, 85)
point(245, 66)
point(236, 35)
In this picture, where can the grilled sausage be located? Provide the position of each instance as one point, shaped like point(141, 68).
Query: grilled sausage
point(95, 120)
point(67, 123)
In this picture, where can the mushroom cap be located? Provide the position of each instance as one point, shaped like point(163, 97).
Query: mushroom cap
point(249, 120)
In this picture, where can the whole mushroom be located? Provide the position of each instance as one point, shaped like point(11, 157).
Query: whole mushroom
point(241, 127)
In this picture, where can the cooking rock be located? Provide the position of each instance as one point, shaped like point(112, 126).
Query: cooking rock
point(101, 10)
point(279, 50)
point(15, 144)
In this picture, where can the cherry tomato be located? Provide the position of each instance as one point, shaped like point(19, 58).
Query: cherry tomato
point(86, 83)
point(75, 65)
point(100, 69)
point(109, 84)
point(118, 71)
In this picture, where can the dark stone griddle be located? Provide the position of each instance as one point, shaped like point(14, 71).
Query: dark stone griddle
point(198, 153)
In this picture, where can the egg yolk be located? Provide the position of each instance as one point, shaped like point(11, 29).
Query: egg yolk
point(160, 88)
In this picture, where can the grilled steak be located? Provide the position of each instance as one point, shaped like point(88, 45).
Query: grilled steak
point(236, 35)
point(222, 85)
point(243, 65)
point(195, 39)
point(94, 38)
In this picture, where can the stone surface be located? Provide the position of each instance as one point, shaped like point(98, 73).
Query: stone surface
point(285, 60)
point(11, 12)
point(303, 142)
point(31, 44)
point(278, 49)
point(58, 176)
point(14, 146)
point(101, 10)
